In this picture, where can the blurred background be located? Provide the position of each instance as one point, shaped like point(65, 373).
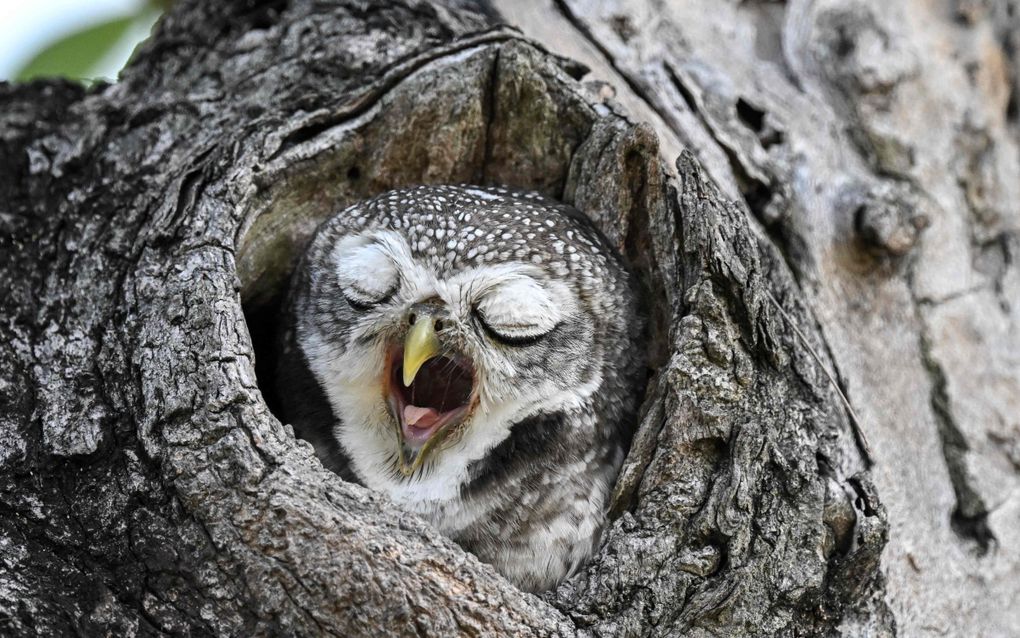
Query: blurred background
point(83, 40)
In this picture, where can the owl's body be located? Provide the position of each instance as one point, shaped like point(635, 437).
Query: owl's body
point(472, 353)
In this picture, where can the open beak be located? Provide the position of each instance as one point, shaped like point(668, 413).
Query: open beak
point(420, 345)
point(429, 393)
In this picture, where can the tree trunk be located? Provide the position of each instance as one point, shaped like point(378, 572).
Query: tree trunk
point(820, 197)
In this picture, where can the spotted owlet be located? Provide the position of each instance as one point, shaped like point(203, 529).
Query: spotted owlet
point(474, 354)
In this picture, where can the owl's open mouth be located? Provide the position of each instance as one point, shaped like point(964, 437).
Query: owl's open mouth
point(437, 399)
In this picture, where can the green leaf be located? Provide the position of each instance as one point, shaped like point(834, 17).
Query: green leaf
point(75, 55)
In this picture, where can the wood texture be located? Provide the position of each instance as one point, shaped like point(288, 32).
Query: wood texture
point(876, 146)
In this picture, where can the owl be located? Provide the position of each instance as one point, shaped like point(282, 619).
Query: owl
point(474, 354)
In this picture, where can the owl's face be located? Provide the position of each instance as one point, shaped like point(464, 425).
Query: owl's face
point(434, 327)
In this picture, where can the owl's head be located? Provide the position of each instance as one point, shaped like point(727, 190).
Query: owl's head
point(436, 318)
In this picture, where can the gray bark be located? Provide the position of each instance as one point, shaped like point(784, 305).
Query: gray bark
point(876, 146)
point(820, 198)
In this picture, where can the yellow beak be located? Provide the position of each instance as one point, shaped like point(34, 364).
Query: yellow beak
point(420, 345)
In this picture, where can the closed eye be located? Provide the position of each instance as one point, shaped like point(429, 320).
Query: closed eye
point(519, 335)
point(366, 273)
point(362, 302)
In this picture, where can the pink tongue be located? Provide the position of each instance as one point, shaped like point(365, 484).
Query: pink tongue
point(421, 418)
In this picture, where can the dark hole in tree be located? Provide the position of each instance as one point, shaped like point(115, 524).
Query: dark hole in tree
point(975, 529)
point(384, 151)
point(755, 119)
point(751, 115)
point(845, 44)
point(264, 323)
point(260, 14)
point(264, 320)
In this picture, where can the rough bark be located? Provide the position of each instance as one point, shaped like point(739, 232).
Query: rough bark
point(820, 198)
point(876, 146)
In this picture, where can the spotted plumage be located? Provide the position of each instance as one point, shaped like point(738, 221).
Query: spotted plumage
point(474, 354)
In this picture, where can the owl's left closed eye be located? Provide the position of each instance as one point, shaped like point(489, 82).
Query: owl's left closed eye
point(521, 310)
